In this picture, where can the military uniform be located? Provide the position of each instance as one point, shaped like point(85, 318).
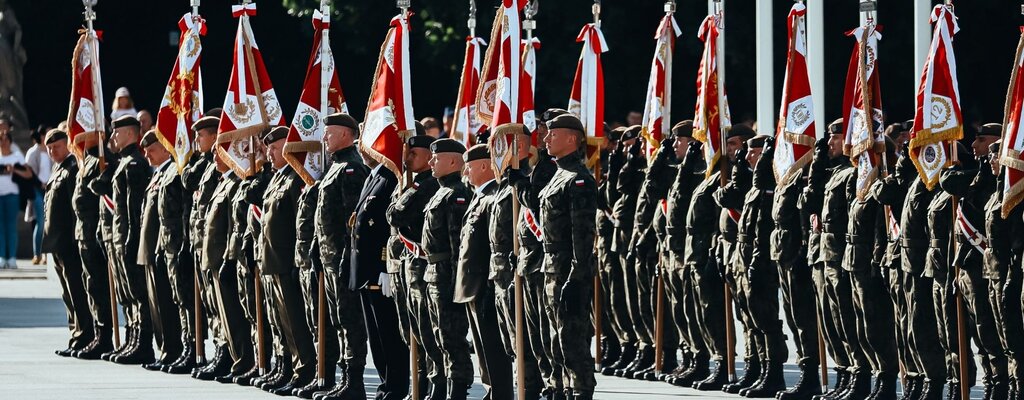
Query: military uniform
point(336, 203)
point(1002, 269)
point(94, 262)
point(610, 258)
point(59, 240)
point(443, 218)
point(217, 232)
point(102, 187)
point(406, 215)
point(277, 249)
point(163, 312)
point(627, 183)
point(128, 191)
point(569, 204)
point(173, 208)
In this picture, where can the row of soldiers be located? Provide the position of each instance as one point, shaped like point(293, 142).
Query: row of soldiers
point(873, 272)
point(397, 263)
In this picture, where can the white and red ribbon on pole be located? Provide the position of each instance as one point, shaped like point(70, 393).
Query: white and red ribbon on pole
point(938, 119)
point(795, 135)
point(586, 100)
point(182, 103)
point(466, 125)
point(85, 111)
point(321, 96)
point(657, 104)
point(862, 103)
point(711, 118)
point(1012, 147)
point(389, 115)
point(528, 84)
point(251, 105)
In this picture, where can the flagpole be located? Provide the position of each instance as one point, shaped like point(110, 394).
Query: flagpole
point(200, 331)
point(659, 313)
point(528, 25)
point(99, 126)
point(598, 312)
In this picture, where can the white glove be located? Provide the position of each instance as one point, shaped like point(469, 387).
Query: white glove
point(384, 280)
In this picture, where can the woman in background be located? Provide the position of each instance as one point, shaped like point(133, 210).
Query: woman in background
point(39, 162)
point(9, 201)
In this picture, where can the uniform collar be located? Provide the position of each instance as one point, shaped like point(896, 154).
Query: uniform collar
point(376, 170)
point(484, 187)
point(568, 161)
point(343, 154)
point(130, 149)
point(451, 179)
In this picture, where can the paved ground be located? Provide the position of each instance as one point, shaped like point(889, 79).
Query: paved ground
point(33, 325)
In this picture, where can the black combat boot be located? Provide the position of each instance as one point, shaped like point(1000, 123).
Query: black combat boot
point(859, 387)
point(610, 353)
point(807, 385)
point(931, 390)
point(912, 388)
point(626, 356)
point(760, 378)
point(751, 373)
point(774, 382)
point(999, 388)
point(885, 388)
point(284, 374)
point(842, 379)
point(697, 372)
point(716, 380)
point(644, 360)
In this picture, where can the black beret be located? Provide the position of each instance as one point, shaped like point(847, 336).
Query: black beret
point(991, 129)
point(551, 113)
point(683, 129)
point(632, 132)
point(340, 119)
point(420, 129)
point(148, 139)
point(420, 141)
point(276, 133)
point(477, 152)
point(616, 134)
point(447, 145)
point(835, 128)
point(566, 121)
point(214, 112)
point(126, 121)
point(206, 122)
point(741, 131)
point(757, 142)
point(55, 135)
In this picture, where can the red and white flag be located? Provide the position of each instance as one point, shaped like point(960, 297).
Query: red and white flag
point(389, 114)
point(501, 86)
point(711, 119)
point(321, 96)
point(251, 106)
point(1012, 147)
point(183, 99)
point(657, 105)
point(528, 85)
point(795, 134)
point(938, 120)
point(862, 104)
point(587, 98)
point(466, 124)
point(85, 113)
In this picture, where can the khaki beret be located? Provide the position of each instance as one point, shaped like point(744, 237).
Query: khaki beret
point(276, 133)
point(126, 121)
point(683, 129)
point(447, 145)
point(148, 139)
point(206, 123)
point(340, 119)
point(835, 128)
point(55, 135)
point(477, 152)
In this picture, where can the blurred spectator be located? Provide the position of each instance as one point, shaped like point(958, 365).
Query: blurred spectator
point(123, 104)
point(39, 162)
point(432, 127)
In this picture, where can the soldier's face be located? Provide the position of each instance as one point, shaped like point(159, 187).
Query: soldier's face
point(445, 163)
point(980, 144)
point(58, 150)
point(732, 145)
point(417, 159)
point(994, 163)
point(479, 172)
point(337, 137)
point(835, 145)
point(125, 136)
point(207, 138)
point(156, 154)
point(222, 166)
point(275, 152)
point(542, 134)
point(562, 142)
point(145, 120)
point(754, 155)
point(680, 146)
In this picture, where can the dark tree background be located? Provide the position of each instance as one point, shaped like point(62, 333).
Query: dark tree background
point(140, 40)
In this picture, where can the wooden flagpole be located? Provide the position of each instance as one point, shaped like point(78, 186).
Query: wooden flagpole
point(528, 25)
point(598, 293)
point(659, 313)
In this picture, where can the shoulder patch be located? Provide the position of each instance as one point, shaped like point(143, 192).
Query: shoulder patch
point(580, 182)
point(350, 171)
point(460, 200)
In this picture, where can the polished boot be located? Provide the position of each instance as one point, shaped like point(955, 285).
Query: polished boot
point(338, 386)
point(306, 392)
point(842, 378)
point(354, 389)
point(610, 353)
point(269, 375)
point(999, 388)
point(186, 361)
point(774, 382)
point(760, 378)
point(297, 382)
point(284, 374)
point(698, 371)
point(668, 364)
point(96, 348)
point(247, 378)
point(220, 365)
point(885, 388)
point(643, 361)
point(807, 385)
point(912, 389)
point(126, 346)
point(859, 387)
point(751, 373)
point(714, 381)
point(953, 392)
point(141, 354)
point(931, 390)
point(626, 357)
point(219, 353)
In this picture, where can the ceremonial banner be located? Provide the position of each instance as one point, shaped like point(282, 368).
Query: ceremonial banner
point(182, 104)
point(862, 102)
point(795, 134)
point(528, 84)
point(321, 96)
point(503, 67)
point(251, 106)
point(657, 105)
point(85, 113)
point(1011, 157)
point(389, 116)
point(937, 120)
point(466, 124)
point(711, 119)
point(587, 98)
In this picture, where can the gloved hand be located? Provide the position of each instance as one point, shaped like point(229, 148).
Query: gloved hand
point(516, 177)
point(904, 165)
point(569, 297)
point(693, 154)
point(643, 245)
point(617, 159)
point(741, 157)
point(662, 157)
point(384, 280)
point(819, 161)
point(668, 146)
point(764, 169)
point(985, 166)
point(634, 150)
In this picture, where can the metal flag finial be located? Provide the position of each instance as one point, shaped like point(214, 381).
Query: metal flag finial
point(471, 22)
point(670, 7)
point(596, 10)
point(531, 9)
point(403, 4)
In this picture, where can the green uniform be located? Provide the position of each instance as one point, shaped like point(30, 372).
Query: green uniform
point(59, 240)
point(200, 178)
point(128, 188)
point(731, 199)
point(627, 184)
point(679, 277)
point(1002, 269)
point(277, 250)
point(150, 257)
point(443, 217)
point(406, 214)
point(173, 209)
point(701, 226)
point(94, 263)
point(336, 202)
point(616, 303)
point(568, 211)
point(102, 188)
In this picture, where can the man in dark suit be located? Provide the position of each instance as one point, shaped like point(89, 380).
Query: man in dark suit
point(370, 233)
point(59, 240)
